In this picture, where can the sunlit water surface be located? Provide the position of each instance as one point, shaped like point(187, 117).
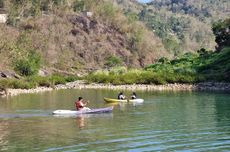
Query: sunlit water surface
point(166, 121)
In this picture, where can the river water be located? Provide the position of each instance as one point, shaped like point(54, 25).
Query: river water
point(166, 121)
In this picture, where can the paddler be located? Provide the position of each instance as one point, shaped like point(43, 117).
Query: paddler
point(80, 104)
point(121, 96)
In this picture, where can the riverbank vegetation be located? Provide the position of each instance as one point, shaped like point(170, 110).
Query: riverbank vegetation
point(36, 81)
point(202, 66)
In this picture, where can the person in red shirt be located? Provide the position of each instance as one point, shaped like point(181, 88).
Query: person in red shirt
point(81, 105)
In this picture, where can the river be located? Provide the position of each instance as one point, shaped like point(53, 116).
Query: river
point(166, 121)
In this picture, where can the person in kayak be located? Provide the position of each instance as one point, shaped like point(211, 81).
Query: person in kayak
point(121, 96)
point(134, 95)
point(81, 105)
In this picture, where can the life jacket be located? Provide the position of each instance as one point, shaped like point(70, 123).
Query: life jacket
point(121, 97)
point(78, 105)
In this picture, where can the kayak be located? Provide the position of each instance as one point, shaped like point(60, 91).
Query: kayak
point(75, 112)
point(110, 100)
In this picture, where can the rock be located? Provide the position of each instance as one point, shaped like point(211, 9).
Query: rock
point(80, 84)
point(89, 14)
point(3, 92)
point(43, 73)
point(7, 74)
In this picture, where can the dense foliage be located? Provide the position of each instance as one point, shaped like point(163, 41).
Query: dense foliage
point(204, 66)
point(36, 81)
point(221, 30)
point(183, 25)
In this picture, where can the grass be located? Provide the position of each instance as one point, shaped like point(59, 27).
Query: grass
point(36, 81)
point(189, 68)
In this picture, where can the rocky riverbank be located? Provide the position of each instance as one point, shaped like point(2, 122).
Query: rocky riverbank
point(83, 85)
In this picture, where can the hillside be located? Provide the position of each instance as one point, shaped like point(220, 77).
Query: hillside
point(72, 36)
point(201, 66)
point(67, 39)
point(183, 25)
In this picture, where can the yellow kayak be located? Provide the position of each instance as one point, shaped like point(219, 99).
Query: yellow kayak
point(110, 100)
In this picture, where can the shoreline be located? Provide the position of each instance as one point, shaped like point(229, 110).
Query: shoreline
point(206, 86)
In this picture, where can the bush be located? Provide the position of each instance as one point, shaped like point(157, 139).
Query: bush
point(78, 5)
point(57, 79)
point(129, 78)
point(118, 70)
point(71, 78)
point(16, 84)
point(163, 60)
point(3, 83)
point(28, 66)
point(26, 61)
point(98, 77)
point(113, 61)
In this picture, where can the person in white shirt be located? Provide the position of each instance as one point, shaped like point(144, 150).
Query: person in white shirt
point(121, 96)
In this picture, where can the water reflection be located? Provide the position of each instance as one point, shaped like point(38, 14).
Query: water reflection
point(81, 119)
point(122, 106)
point(4, 133)
point(80, 122)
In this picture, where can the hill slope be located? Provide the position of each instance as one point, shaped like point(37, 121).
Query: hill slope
point(67, 39)
point(183, 25)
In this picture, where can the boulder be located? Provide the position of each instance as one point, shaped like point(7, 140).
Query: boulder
point(43, 73)
point(8, 74)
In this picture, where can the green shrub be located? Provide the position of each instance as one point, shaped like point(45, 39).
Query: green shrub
point(29, 66)
point(71, 78)
point(98, 77)
point(4, 83)
point(113, 61)
point(43, 81)
point(16, 84)
point(57, 79)
point(117, 82)
point(78, 5)
point(129, 78)
point(118, 70)
point(163, 60)
point(26, 60)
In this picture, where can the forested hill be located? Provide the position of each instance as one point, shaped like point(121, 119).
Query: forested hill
point(60, 34)
point(205, 10)
point(72, 35)
point(183, 25)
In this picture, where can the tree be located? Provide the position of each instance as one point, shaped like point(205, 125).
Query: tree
point(221, 30)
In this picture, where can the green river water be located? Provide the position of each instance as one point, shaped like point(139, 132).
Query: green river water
point(166, 121)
